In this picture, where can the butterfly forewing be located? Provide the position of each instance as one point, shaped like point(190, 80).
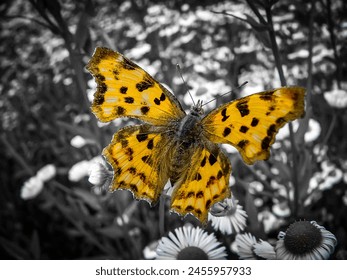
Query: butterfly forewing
point(125, 90)
point(251, 123)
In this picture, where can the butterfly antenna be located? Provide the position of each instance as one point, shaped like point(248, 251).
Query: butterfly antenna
point(180, 72)
point(230, 91)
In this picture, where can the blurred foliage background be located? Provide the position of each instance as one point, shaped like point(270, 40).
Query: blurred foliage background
point(45, 120)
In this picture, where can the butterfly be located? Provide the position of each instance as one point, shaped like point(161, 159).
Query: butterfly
point(178, 146)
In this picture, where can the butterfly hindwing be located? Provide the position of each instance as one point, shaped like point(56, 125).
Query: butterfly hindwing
point(126, 90)
point(205, 182)
point(135, 155)
point(251, 123)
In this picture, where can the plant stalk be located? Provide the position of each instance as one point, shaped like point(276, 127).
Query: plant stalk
point(278, 63)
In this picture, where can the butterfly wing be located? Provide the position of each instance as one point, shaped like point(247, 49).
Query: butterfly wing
point(205, 182)
point(250, 123)
point(126, 90)
point(137, 155)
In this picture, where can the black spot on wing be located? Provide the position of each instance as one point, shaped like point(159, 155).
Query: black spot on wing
point(124, 143)
point(160, 99)
point(100, 77)
point(210, 181)
point(129, 152)
point(212, 159)
point(265, 143)
point(144, 110)
point(116, 74)
point(150, 144)
point(132, 170)
point(270, 109)
point(208, 203)
point(190, 194)
point(254, 122)
point(123, 90)
point(102, 87)
point(203, 162)
point(121, 184)
point(141, 137)
point(157, 101)
point(99, 99)
point(129, 100)
point(267, 96)
point(120, 110)
point(224, 115)
point(271, 130)
point(226, 131)
point(145, 159)
point(243, 129)
point(146, 83)
point(162, 96)
point(199, 194)
point(133, 187)
point(198, 176)
point(142, 176)
point(242, 143)
point(280, 121)
point(242, 106)
point(128, 64)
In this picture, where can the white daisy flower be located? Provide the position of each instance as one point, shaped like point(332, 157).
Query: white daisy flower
point(78, 142)
point(78, 171)
point(281, 209)
point(244, 244)
point(149, 252)
point(31, 188)
point(228, 216)
point(248, 248)
point(265, 250)
point(305, 240)
point(336, 98)
point(189, 243)
point(81, 169)
point(47, 172)
point(99, 175)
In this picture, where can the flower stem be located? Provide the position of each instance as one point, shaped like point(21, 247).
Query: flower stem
point(12, 151)
point(330, 130)
point(278, 63)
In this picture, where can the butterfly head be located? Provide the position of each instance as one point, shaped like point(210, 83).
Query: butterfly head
point(196, 109)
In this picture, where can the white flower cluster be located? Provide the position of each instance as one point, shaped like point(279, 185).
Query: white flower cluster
point(34, 185)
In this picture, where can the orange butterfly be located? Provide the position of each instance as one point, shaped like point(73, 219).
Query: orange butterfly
point(178, 146)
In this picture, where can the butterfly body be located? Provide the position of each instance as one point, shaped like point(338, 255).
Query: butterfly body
point(180, 147)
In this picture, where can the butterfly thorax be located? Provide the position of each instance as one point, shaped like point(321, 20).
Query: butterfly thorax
point(189, 129)
point(187, 137)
